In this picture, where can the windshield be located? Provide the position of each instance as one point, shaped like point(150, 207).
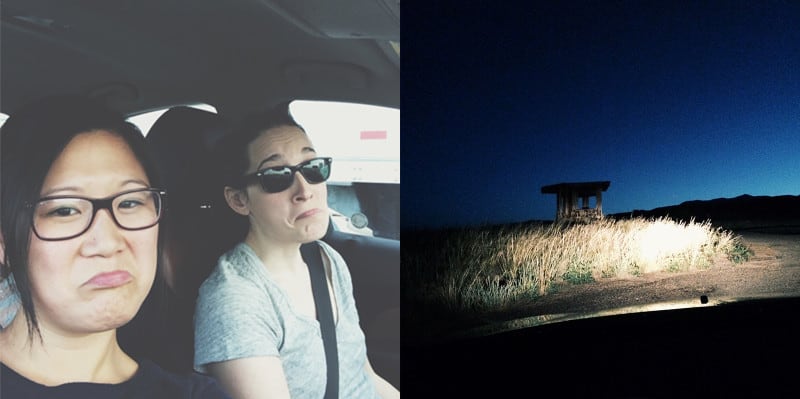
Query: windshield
point(588, 159)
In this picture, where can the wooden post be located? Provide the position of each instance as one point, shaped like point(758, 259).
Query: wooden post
point(599, 205)
point(574, 204)
point(558, 206)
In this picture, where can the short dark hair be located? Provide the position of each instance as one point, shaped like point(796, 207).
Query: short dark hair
point(32, 138)
point(232, 149)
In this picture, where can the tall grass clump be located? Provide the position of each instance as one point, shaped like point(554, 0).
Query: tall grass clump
point(490, 268)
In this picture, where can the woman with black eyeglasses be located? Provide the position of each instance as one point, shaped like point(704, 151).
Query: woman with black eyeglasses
point(256, 326)
point(80, 208)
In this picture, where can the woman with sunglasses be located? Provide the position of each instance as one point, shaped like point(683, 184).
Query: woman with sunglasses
point(255, 321)
point(80, 208)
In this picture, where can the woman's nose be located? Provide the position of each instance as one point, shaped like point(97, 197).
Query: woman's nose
point(104, 237)
point(302, 188)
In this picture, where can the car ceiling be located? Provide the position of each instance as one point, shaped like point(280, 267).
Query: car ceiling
point(236, 54)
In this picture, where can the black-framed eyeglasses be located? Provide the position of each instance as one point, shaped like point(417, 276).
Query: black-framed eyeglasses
point(279, 178)
point(64, 217)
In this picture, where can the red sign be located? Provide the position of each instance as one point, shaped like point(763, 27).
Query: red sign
point(373, 135)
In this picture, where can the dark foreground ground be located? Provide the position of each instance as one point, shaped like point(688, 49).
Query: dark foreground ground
point(720, 348)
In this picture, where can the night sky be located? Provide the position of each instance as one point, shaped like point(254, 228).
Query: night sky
point(670, 101)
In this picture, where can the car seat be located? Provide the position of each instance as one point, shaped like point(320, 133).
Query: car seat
point(196, 229)
point(182, 140)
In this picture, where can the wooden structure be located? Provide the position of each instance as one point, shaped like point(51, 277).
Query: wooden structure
point(567, 195)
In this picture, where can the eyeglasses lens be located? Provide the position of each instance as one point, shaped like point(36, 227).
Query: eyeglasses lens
point(65, 217)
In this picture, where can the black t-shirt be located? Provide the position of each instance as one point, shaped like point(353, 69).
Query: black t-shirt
point(149, 382)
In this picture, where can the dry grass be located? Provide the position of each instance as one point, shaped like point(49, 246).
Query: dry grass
point(490, 268)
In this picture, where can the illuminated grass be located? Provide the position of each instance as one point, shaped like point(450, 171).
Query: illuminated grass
point(490, 268)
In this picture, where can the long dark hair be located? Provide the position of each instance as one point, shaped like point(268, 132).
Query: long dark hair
point(32, 138)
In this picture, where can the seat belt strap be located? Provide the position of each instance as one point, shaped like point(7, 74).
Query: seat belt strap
point(319, 287)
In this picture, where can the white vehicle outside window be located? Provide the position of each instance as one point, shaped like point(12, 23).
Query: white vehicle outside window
point(364, 141)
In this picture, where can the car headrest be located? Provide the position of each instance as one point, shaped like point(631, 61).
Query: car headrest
point(171, 126)
point(195, 225)
point(182, 140)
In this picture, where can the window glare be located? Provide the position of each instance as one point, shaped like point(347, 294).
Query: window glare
point(146, 120)
point(3, 118)
point(364, 140)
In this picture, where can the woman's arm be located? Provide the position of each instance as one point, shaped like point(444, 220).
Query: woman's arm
point(252, 377)
point(385, 389)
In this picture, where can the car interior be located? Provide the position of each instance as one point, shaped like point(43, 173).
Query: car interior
point(236, 56)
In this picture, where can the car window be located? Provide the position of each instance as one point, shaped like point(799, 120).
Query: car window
point(364, 141)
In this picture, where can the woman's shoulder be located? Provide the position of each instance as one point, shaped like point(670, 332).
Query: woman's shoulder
point(235, 258)
point(237, 282)
point(236, 266)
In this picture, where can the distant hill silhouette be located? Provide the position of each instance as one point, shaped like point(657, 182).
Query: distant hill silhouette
point(742, 212)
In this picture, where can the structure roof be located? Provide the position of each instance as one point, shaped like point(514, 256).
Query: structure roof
point(580, 188)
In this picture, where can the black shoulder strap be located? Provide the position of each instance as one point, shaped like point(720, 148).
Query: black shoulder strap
point(322, 300)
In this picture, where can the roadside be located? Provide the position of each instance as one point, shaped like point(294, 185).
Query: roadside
point(773, 270)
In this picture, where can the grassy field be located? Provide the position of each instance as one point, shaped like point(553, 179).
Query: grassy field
point(484, 269)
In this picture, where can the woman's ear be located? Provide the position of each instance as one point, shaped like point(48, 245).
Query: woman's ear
point(237, 200)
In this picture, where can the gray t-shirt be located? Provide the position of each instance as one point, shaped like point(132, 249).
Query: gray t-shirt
point(241, 312)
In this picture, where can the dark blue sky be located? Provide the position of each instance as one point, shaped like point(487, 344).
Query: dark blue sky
point(670, 101)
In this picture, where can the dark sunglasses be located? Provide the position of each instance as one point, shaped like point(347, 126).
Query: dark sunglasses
point(279, 178)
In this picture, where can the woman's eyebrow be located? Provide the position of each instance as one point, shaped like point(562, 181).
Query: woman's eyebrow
point(66, 189)
point(276, 157)
point(135, 181)
point(273, 157)
point(79, 189)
